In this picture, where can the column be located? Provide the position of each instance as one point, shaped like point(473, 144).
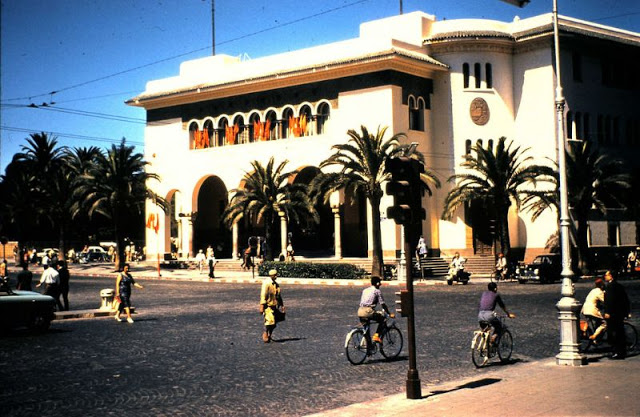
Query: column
point(337, 236)
point(234, 233)
point(283, 232)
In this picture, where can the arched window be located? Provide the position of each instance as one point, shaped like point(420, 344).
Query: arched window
point(477, 73)
point(322, 117)
point(240, 129)
point(569, 123)
point(287, 117)
point(305, 121)
point(416, 113)
point(465, 75)
point(255, 127)
point(579, 127)
point(221, 132)
point(488, 73)
point(193, 135)
point(271, 125)
point(208, 134)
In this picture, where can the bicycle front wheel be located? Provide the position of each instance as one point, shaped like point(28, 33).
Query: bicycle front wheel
point(391, 343)
point(505, 346)
point(631, 335)
point(479, 352)
point(356, 346)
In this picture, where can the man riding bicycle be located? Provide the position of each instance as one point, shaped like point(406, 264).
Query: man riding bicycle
point(487, 313)
point(371, 297)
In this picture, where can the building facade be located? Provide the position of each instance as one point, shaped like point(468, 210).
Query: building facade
point(447, 84)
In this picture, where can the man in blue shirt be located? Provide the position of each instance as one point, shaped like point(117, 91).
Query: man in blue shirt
point(487, 313)
point(371, 297)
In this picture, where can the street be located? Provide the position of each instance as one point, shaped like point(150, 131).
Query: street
point(195, 349)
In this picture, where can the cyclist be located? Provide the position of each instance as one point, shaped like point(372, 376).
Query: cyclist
point(371, 297)
point(592, 307)
point(501, 267)
point(487, 312)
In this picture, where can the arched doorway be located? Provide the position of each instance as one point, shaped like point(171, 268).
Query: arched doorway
point(173, 231)
point(483, 226)
point(208, 228)
point(310, 238)
point(355, 241)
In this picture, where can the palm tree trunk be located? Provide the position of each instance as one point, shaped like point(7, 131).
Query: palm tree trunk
point(503, 232)
point(268, 233)
point(377, 261)
point(583, 244)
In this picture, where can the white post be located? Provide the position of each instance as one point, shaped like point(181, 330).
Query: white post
point(337, 236)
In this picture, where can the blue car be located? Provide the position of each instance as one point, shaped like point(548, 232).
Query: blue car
point(25, 309)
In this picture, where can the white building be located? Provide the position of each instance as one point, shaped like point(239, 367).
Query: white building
point(446, 84)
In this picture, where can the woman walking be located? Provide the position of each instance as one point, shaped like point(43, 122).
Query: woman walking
point(123, 292)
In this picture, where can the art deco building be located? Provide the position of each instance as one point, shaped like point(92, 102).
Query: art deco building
point(446, 84)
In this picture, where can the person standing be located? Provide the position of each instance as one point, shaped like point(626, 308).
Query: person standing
point(4, 275)
point(616, 309)
point(200, 259)
point(211, 260)
point(63, 272)
point(25, 277)
point(123, 292)
point(271, 305)
point(422, 248)
point(51, 280)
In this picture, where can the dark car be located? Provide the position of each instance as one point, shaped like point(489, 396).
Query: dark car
point(25, 309)
point(544, 269)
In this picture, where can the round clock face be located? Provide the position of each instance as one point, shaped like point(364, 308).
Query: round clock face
point(479, 111)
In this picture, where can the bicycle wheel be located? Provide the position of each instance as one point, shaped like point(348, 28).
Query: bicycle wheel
point(631, 335)
point(391, 343)
point(505, 346)
point(356, 346)
point(479, 352)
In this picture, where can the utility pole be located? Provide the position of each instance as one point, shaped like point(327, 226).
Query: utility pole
point(213, 27)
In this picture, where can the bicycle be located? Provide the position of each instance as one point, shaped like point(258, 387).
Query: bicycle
point(587, 328)
point(358, 343)
point(482, 349)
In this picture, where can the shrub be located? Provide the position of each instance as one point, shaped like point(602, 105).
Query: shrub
point(312, 270)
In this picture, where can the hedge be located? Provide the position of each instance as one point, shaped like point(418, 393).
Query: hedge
point(312, 270)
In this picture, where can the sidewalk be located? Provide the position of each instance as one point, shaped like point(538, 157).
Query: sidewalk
point(603, 388)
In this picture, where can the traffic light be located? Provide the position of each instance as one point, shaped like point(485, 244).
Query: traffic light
point(403, 303)
point(406, 188)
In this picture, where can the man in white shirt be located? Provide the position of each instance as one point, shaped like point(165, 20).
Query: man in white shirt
point(51, 280)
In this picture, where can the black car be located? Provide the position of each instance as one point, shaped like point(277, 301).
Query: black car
point(25, 309)
point(544, 269)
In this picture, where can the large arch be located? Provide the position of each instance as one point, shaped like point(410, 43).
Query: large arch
point(313, 239)
point(173, 231)
point(210, 200)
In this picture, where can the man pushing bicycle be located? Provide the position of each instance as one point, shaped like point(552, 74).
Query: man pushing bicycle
point(487, 313)
point(371, 297)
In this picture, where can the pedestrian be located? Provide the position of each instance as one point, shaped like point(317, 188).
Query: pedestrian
point(290, 253)
point(592, 308)
point(63, 271)
point(200, 258)
point(51, 280)
point(247, 262)
point(123, 292)
point(616, 309)
point(4, 275)
point(271, 305)
point(421, 249)
point(25, 277)
point(211, 260)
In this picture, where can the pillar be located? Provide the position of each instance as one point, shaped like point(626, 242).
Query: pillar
point(337, 236)
point(234, 232)
point(283, 232)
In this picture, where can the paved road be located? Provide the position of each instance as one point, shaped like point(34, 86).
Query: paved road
point(195, 350)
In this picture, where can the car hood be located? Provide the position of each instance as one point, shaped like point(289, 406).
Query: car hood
point(20, 295)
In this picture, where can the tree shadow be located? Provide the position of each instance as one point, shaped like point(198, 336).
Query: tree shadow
point(287, 339)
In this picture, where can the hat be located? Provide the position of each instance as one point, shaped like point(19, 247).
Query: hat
point(273, 273)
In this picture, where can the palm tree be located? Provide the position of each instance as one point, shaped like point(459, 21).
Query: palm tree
point(362, 162)
point(595, 180)
point(115, 186)
point(266, 192)
point(496, 179)
point(17, 204)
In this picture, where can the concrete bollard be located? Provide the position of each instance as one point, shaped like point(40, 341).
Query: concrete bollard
point(107, 296)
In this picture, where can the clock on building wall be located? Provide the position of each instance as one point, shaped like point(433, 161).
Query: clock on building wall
point(479, 111)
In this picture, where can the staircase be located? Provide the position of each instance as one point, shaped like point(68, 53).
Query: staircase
point(433, 267)
point(480, 265)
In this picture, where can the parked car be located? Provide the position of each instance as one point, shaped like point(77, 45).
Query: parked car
point(40, 254)
point(25, 309)
point(544, 269)
point(93, 254)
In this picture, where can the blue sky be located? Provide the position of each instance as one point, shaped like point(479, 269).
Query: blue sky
point(95, 54)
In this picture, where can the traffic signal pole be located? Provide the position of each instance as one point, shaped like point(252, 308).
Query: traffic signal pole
point(414, 391)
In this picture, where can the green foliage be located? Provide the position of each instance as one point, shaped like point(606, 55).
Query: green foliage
point(312, 270)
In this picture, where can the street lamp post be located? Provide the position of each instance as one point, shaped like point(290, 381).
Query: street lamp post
point(568, 307)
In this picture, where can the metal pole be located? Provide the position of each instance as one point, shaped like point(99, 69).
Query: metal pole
point(400, 6)
point(414, 391)
point(402, 266)
point(213, 27)
point(568, 307)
